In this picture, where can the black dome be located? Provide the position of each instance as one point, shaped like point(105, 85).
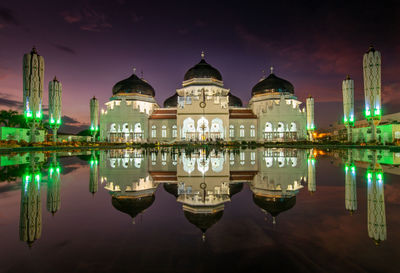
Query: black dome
point(274, 207)
point(203, 220)
point(133, 85)
point(171, 101)
point(234, 101)
point(132, 205)
point(202, 70)
point(272, 84)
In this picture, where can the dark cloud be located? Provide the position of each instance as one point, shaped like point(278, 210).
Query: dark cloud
point(6, 101)
point(8, 17)
point(69, 120)
point(89, 19)
point(65, 48)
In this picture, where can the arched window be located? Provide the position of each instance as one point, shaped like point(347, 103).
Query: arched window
point(280, 129)
point(231, 131)
point(188, 129)
point(153, 131)
point(164, 131)
point(293, 127)
point(252, 131)
point(174, 131)
point(241, 131)
point(268, 131)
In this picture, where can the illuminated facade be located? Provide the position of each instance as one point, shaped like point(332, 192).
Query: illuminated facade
point(203, 109)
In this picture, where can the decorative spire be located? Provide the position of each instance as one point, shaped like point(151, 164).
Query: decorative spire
point(34, 51)
point(371, 49)
point(202, 55)
point(141, 74)
point(348, 77)
point(272, 69)
point(273, 220)
point(55, 79)
point(263, 73)
point(134, 70)
point(203, 237)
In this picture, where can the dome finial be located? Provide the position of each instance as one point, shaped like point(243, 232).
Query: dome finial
point(141, 74)
point(134, 70)
point(202, 55)
point(272, 69)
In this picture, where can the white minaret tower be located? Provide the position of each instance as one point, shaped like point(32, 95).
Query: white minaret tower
point(53, 186)
point(55, 89)
point(350, 187)
point(94, 173)
point(376, 203)
point(348, 106)
point(310, 117)
point(33, 76)
point(94, 117)
point(372, 88)
point(311, 183)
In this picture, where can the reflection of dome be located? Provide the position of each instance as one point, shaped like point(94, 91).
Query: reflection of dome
point(133, 85)
point(171, 101)
point(234, 101)
point(272, 84)
point(235, 188)
point(132, 205)
point(203, 220)
point(202, 70)
point(171, 188)
point(274, 207)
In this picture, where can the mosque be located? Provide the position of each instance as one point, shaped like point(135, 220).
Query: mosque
point(205, 110)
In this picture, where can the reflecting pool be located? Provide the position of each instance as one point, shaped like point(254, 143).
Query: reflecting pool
point(171, 210)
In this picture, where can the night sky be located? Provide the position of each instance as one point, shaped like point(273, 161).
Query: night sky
point(91, 45)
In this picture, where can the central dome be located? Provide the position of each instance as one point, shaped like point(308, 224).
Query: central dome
point(202, 70)
point(133, 85)
point(272, 84)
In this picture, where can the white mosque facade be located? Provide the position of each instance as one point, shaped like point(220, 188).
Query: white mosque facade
point(203, 110)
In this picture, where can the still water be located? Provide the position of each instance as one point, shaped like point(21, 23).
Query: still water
point(200, 211)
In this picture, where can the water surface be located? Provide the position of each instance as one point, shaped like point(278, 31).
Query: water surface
point(200, 211)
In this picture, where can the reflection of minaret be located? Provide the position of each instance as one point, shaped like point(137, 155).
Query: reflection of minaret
point(94, 173)
point(311, 183)
point(350, 187)
point(376, 203)
point(53, 186)
point(30, 224)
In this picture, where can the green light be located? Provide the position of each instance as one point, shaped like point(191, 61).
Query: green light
point(52, 121)
point(345, 119)
point(59, 121)
point(379, 176)
point(351, 118)
point(346, 168)
point(367, 112)
point(28, 114)
point(38, 114)
point(51, 170)
point(353, 169)
point(58, 169)
point(369, 176)
point(92, 128)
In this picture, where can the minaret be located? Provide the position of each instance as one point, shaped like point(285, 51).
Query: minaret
point(33, 76)
point(310, 117)
point(350, 187)
point(94, 174)
point(311, 183)
point(94, 117)
point(372, 88)
point(30, 221)
point(55, 89)
point(53, 186)
point(348, 106)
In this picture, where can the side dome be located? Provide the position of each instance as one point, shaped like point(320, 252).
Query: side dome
point(234, 101)
point(274, 207)
point(272, 84)
point(171, 101)
point(203, 220)
point(202, 70)
point(132, 205)
point(133, 85)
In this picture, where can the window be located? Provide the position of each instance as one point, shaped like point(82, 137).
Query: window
point(252, 131)
point(164, 131)
point(153, 131)
point(231, 131)
point(174, 131)
point(241, 131)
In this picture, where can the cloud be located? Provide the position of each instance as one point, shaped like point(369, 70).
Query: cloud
point(8, 17)
point(8, 102)
point(136, 18)
point(64, 48)
point(88, 19)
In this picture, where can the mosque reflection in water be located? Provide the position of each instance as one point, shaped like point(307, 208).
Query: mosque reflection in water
point(203, 181)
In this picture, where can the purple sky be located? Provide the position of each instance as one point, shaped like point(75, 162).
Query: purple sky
point(91, 45)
